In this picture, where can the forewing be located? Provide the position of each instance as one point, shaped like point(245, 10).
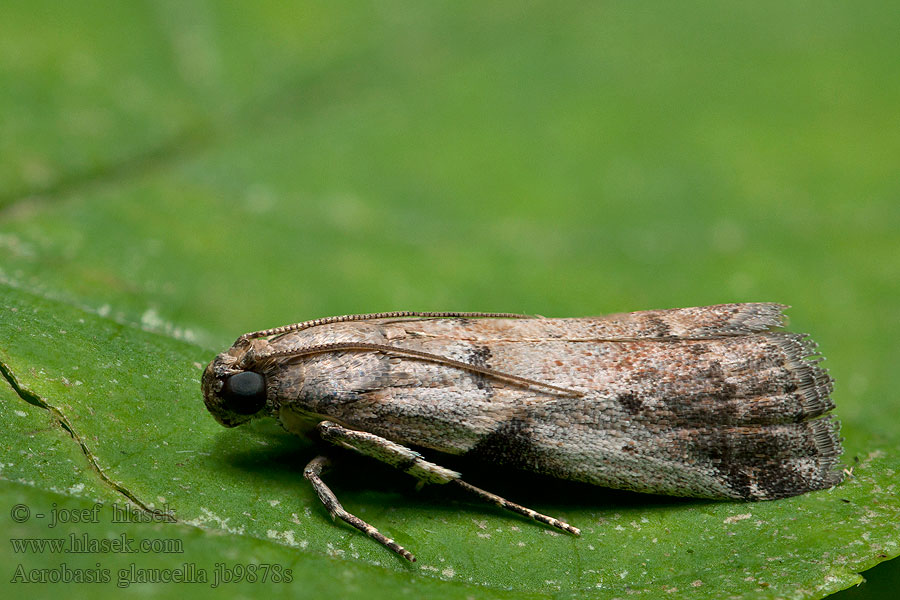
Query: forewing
point(707, 401)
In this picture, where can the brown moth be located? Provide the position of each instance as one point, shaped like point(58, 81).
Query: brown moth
point(712, 402)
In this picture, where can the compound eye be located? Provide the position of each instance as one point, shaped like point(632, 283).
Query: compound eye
point(244, 393)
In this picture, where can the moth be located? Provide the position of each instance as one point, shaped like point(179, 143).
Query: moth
point(713, 402)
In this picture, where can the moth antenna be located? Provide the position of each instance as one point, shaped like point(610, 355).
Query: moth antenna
point(369, 316)
point(251, 357)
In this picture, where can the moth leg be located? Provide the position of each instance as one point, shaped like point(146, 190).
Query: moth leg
point(399, 456)
point(410, 461)
point(313, 473)
point(516, 508)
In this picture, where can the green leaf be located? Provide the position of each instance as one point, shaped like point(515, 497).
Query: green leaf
point(126, 555)
point(173, 174)
point(128, 401)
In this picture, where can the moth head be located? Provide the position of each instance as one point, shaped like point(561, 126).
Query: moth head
point(233, 395)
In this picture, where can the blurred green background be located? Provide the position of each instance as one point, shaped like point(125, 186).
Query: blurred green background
point(201, 169)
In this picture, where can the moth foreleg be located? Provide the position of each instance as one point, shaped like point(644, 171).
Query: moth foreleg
point(313, 473)
point(399, 456)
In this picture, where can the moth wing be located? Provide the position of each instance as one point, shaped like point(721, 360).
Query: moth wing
point(709, 401)
point(703, 322)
